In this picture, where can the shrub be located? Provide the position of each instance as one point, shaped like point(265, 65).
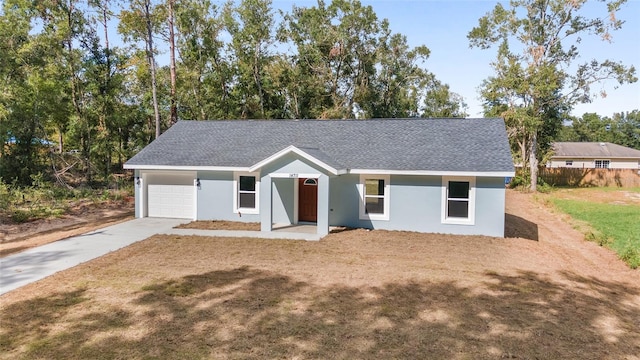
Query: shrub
point(21, 216)
point(5, 196)
point(630, 255)
point(518, 181)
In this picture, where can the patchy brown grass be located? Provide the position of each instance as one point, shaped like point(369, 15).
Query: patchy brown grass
point(605, 195)
point(355, 294)
point(220, 225)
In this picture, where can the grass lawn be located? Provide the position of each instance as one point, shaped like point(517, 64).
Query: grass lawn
point(612, 214)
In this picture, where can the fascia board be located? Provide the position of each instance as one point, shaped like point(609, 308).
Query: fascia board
point(434, 173)
point(301, 153)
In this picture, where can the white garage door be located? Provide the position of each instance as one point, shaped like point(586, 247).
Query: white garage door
point(171, 201)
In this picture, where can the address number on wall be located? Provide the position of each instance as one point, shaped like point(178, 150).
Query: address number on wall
point(293, 176)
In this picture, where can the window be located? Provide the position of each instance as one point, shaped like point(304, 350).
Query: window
point(458, 200)
point(374, 197)
point(602, 164)
point(311, 182)
point(246, 197)
point(568, 163)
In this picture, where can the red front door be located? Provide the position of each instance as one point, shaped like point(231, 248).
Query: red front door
point(308, 200)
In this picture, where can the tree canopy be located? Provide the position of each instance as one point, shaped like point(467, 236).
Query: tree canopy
point(537, 77)
point(66, 84)
point(622, 129)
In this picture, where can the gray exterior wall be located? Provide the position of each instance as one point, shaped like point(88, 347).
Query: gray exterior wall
point(137, 194)
point(291, 164)
point(490, 206)
point(215, 198)
point(415, 204)
point(283, 201)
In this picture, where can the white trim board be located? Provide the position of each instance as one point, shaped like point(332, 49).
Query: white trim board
point(387, 197)
point(185, 168)
point(434, 173)
point(294, 150)
point(236, 193)
point(471, 219)
point(293, 176)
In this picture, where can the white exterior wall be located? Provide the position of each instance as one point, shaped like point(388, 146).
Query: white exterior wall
point(579, 163)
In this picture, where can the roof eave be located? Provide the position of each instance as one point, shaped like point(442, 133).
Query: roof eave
point(594, 157)
point(185, 167)
point(433, 172)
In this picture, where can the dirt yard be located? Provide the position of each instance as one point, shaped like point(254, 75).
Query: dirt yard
point(542, 293)
point(220, 225)
point(83, 217)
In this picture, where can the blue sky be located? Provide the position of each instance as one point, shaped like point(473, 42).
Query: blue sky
point(443, 26)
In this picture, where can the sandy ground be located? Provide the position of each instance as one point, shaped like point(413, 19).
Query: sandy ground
point(541, 293)
point(82, 218)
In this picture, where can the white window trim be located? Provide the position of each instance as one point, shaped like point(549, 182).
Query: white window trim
point(236, 193)
point(595, 163)
point(387, 196)
point(471, 220)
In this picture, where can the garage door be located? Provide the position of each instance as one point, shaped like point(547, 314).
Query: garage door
point(171, 197)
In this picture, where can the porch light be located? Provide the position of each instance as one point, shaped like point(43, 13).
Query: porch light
point(138, 180)
point(198, 182)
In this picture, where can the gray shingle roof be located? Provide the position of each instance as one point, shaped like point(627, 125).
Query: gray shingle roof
point(464, 145)
point(594, 150)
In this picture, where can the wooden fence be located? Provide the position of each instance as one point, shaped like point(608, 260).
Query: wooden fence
point(590, 177)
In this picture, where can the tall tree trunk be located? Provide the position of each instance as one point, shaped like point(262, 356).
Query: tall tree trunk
point(107, 86)
point(152, 65)
point(60, 141)
point(533, 161)
point(258, 80)
point(172, 67)
point(85, 138)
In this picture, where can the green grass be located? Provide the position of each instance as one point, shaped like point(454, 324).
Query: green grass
point(616, 226)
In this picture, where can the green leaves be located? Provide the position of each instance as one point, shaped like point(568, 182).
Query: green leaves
point(534, 86)
point(62, 81)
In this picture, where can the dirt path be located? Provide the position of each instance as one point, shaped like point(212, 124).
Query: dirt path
point(564, 247)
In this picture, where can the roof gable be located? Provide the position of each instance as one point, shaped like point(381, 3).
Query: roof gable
point(432, 145)
point(307, 153)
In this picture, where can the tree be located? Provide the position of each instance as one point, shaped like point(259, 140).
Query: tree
point(440, 101)
point(172, 62)
point(349, 64)
point(206, 75)
point(622, 129)
point(251, 26)
point(535, 87)
point(140, 23)
point(627, 127)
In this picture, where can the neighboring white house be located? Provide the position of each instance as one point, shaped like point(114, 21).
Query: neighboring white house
point(593, 155)
point(427, 175)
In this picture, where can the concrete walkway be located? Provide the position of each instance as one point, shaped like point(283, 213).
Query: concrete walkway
point(37, 263)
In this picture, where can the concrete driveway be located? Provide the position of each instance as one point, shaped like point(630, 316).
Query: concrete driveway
point(34, 264)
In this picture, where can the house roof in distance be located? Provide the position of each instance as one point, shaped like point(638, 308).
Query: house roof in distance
point(438, 145)
point(594, 150)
